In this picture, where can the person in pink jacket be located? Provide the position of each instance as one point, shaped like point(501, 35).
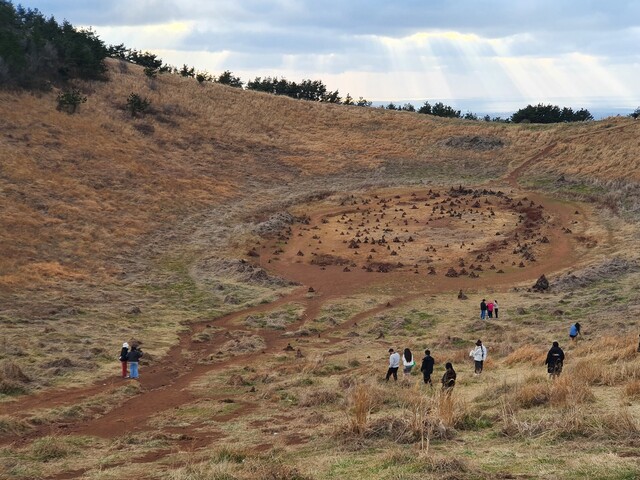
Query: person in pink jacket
point(490, 309)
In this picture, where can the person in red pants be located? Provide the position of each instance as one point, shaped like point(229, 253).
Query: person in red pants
point(123, 359)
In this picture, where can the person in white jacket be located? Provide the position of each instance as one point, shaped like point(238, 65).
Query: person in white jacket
point(394, 364)
point(479, 355)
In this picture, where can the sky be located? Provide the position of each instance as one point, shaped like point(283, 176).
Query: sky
point(478, 55)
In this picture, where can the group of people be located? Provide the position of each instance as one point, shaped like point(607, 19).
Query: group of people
point(130, 357)
point(488, 309)
point(479, 355)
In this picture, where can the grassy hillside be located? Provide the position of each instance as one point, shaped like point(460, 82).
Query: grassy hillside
point(197, 228)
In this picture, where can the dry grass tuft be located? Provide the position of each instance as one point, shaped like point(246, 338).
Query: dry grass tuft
point(49, 448)
point(632, 389)
point(12, 378)
point(526, 354)
point(317, 398)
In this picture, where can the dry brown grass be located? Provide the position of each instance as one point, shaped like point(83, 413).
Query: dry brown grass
point(632, 389)
point(526, 354)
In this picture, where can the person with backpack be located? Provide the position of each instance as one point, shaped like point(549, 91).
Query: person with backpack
point(483, 309)
point(427, 367)
point(394, 364)
point(449, 378)
point(407, 361)
point(133, 357)
point(554, 361)
point(574, 331)
point(479, 355)
point(123, 359)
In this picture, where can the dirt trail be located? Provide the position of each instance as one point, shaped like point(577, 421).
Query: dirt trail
point(165, 384)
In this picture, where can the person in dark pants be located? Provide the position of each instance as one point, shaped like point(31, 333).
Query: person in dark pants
point(574, 331)
point(123, 359)
point(483, 309)
point(449, 378)
point(394, 364)
point(427, 367)
point(133, 357)
point(495, 308)
point(554, 361)
point(479, 355)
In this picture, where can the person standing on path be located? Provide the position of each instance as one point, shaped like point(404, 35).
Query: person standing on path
point(449, 378)
point(479, 355)
point(427, 367)
point(394, 364)
point(133, 357)
point(407, 362)
point(495, 308)
point(574, 331)
point(483, 309)
point(554, 361)
point(123, 359)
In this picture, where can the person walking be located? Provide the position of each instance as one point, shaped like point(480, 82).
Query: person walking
point(407, 362)
point(490, 309)
point(449, 378)
point(394, 364)
point(123, 359)
point(483, 309)
point(427, 367)
point(133, 357)
point(574, 331)
point(479, 355)
point(554, 361)
point(495, 308)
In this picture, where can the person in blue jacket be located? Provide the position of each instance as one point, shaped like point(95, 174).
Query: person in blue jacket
point(574, 331)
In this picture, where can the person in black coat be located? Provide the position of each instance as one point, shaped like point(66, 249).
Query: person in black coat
point(555, 360)
point(449, 378)
point(427, 367)
point(133, 357)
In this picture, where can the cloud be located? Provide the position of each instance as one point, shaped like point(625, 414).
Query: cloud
point(380, 49)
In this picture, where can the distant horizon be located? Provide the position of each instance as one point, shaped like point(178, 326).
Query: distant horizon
point(599, 108)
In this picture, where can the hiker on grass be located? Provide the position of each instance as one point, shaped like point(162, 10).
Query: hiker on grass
point(133, 357)
point(449, 378)
point(407, 362)
point(495, 308)
point(574, 331)
point(490, 309)
point(554, 361)
point(483, 309)
point(479, 355)
point(394, 364)
point(427, 367)
point(123, 358)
